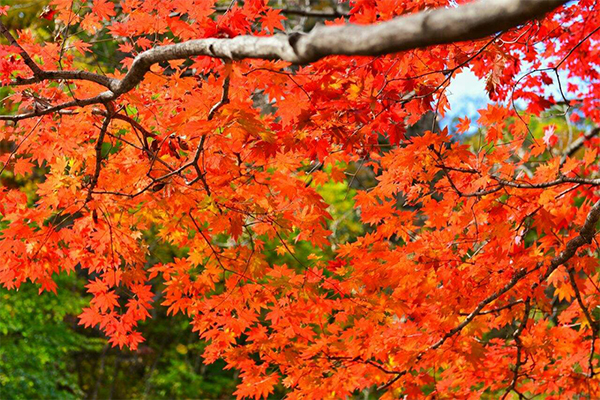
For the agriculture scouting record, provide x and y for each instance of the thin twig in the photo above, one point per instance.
(519, 345)
(594, 325)
(98, 148)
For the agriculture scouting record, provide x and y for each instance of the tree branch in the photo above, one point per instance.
(40, 75)
(98, 149)
(103, 97)
(594, 326)
(66, 75)
(586, 235)
(498, 309)
(503, 183)
(439, 26)
(26, 58)
(544, 185)
(519, 345)
(302, 13)
(200, 175)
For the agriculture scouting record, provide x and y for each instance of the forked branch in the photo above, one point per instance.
(586, 235)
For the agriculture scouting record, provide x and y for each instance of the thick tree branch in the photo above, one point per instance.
(440, 26)
(66, 75)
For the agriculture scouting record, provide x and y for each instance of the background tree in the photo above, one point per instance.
(475, 271)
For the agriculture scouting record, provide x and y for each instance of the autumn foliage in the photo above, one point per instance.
(477, 273)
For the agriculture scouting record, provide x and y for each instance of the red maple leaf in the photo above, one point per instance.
(272, 20)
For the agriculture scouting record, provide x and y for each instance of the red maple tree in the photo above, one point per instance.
(478, 275)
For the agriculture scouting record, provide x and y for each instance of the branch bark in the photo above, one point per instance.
(433, 27)
(336, 13)
(98, 149)
(440, 26)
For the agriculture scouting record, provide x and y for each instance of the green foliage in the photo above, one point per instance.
(345, 224)
(38, 342)
(25, 13)
(44, 354)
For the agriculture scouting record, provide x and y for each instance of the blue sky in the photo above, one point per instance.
(466, 94)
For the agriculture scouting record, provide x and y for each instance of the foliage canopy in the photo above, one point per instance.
(466, 268)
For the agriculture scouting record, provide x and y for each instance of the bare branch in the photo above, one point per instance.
(544, 185)
(40, 75)
(440, 26)
(66, 75)
(103, 97)
(98, 148)
(519, 346)
(519, 185)
(594, 326)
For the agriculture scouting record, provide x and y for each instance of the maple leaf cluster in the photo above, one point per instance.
(478, 271)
